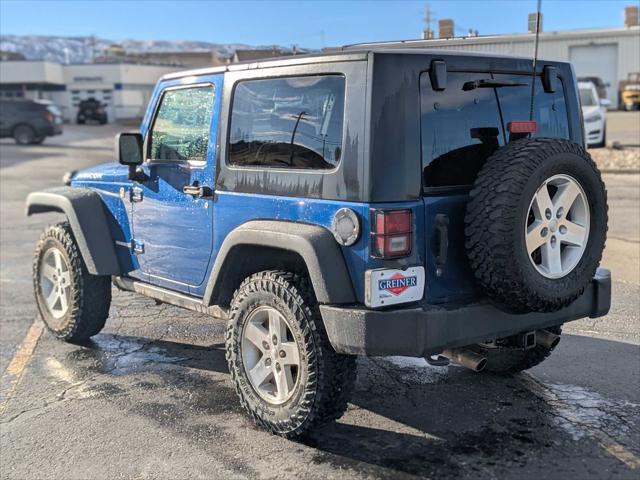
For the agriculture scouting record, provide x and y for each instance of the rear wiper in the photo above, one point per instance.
(491, 83)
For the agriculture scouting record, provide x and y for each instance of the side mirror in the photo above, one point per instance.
(129, 147)
(605, 102)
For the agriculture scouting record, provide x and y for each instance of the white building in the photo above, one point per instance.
(125, 89)
(610, 54)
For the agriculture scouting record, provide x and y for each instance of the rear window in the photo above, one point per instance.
(293, 122)
(549, 109)
(54, 109)
(462, 126)
(460, 129)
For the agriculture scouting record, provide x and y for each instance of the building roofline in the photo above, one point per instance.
(31, 61)
(513, 37)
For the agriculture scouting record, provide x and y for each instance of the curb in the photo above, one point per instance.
(621, 171)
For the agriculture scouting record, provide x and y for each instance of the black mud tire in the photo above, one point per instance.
(24, 135)
(89, 295)
(509, 360)
(496, 217)
(326, 377)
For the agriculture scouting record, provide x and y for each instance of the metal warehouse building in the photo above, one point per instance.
(124, 89)
(610, 54)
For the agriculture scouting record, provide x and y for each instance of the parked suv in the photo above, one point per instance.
(601, 87)
(364, 202)
(91, 110)
(29, 122)
(594, 112)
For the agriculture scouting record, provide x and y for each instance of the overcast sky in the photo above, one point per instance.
(306, 23)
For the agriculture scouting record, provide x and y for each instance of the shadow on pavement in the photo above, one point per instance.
(410, 418)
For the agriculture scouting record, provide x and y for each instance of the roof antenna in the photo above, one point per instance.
(535, 59)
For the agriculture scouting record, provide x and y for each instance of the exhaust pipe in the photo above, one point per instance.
(466, 358)
(547, 339)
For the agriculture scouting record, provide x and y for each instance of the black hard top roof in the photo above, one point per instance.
(339, 54)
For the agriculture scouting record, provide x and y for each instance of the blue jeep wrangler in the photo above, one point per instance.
(369, 201)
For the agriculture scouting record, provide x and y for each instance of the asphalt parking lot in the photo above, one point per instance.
(150, 397)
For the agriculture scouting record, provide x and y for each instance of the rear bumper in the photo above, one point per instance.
(417, 332)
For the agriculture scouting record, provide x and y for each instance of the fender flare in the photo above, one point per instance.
(316, 246)
(87, 216)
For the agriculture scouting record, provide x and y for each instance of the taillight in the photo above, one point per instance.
(49, 117)
(523, 126)
(391, 233)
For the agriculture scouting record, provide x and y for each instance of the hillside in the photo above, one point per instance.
(79, 49)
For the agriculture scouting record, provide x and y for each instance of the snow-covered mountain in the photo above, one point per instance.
(81, 49)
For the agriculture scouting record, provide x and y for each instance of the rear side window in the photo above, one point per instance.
(293, 122)
(460, 128)
(549, 109)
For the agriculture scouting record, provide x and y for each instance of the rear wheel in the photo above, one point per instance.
(287, 375)
(24, 135)
(73, 304)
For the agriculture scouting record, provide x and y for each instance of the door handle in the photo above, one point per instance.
(442, 226)
(197, 191)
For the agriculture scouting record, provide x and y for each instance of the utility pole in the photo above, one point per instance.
(427, 34)
(92, 42)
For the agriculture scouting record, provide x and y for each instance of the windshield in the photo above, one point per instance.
(587, 98)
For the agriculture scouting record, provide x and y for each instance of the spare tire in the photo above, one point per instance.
(536, 224)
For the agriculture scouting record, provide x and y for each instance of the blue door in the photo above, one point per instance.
(173, 204)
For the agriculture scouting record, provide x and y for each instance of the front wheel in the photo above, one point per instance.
(287, 375)
(73, 304)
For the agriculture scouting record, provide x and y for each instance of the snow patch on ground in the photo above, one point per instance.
(417, 370)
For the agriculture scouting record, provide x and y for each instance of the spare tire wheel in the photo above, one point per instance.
(536, 224)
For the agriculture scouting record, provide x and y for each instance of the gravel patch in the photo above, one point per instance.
(611, 159)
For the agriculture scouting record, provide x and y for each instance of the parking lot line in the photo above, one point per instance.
(15, 371)
(612, 447)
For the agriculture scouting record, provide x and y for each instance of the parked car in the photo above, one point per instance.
(630, 92)
(594, 112)
(91, 110)
(363, 202)
(601, 86)
(29, 122)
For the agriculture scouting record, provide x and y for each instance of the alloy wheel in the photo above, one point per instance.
(557, 228)
(270, 355)
(55, 282)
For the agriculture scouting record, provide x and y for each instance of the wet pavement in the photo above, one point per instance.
(150, 397)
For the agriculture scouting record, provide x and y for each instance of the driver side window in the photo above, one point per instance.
(180, 130)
